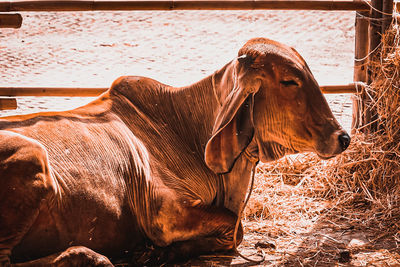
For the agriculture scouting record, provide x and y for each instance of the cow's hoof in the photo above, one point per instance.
(81, 256)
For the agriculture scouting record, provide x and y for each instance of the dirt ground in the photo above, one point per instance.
(177, 48)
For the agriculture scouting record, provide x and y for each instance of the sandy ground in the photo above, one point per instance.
(178, 48)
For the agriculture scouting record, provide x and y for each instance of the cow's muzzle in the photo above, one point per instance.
(344, 141)
(338, 142)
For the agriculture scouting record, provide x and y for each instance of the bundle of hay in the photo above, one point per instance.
(372, 165)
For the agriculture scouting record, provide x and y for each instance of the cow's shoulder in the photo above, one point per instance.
(128, 85)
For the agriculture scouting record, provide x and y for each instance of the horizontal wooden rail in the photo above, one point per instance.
(86, 92)
(8, 103)
(10, 21)
(50, 91)
(93, 5)
(353, 88)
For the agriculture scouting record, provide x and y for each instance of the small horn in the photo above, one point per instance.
(245, 59)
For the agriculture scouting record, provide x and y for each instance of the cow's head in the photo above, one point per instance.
(269, 96)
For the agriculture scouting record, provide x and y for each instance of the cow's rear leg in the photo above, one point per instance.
(25, 185)
(73, 256)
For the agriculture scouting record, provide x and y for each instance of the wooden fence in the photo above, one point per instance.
(49, 5)
(372, 19)
(84, 92)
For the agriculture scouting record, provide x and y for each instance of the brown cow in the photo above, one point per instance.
(146, 163)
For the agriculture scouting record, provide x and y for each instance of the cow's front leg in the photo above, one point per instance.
(25, 186)
(73, 256)
(193, 232)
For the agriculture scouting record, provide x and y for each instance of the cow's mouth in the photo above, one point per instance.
(335, 145)
(325, 157)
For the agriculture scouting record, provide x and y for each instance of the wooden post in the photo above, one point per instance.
(375, 34)
(387, 15)
(364, 113)
(360, 66)
(375, 30)
(8, 103)
(10, 20)
(51, 91)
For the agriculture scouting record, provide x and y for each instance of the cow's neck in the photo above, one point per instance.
(205, 99)
(234, 185)
(197, 106)
(188, 113)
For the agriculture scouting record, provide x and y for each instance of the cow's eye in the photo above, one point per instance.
(289, 83)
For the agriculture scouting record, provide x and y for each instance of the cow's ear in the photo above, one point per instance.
(233, 127)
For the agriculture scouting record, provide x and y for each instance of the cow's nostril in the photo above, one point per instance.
(344, 140)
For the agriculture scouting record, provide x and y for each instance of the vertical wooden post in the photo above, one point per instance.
(364, 114)
(375, 33)
(387, 19)
(381, 17)
(360, 66)
(387, 15)
(375, 30)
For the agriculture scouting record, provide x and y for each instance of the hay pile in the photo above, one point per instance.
(366, 176)
(371, 167)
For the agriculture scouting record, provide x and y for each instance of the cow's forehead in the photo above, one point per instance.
(262, 48)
